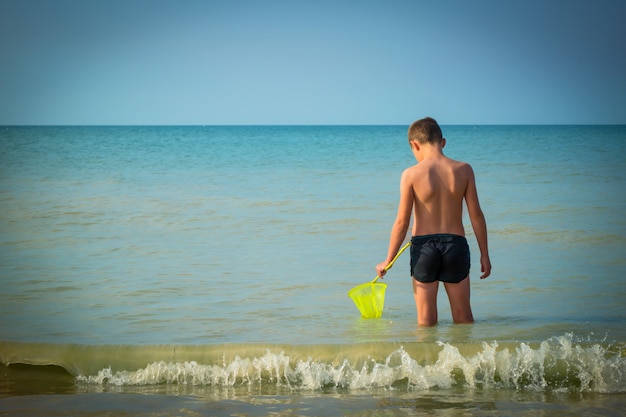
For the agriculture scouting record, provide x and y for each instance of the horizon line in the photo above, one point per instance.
(299, 124)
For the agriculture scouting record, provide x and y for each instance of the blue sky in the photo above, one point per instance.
(312, 62)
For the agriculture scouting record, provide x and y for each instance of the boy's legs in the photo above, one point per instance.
(459, 296)
(425, 294)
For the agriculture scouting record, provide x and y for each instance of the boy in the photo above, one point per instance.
(434, 190)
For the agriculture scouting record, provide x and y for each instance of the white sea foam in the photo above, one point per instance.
(555, 364)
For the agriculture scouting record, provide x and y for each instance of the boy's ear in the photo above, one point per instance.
(414, 145)
(443, 143)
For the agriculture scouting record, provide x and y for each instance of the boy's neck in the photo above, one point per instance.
(428, 151)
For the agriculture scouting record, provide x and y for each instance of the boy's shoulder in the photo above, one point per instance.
(460, 169)
(446, 162)
(460, 166)
(457, 162)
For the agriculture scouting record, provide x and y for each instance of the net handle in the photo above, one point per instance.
(390, 264)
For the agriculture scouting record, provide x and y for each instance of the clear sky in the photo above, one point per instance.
(312, 62)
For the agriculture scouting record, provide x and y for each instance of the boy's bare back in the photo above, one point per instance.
(438, 185)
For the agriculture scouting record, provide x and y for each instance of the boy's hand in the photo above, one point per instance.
(380, 269)
(485, 266)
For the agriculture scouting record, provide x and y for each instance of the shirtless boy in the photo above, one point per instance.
(434, 190)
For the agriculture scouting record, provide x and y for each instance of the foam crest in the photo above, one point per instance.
(269, 367)
(555, 364)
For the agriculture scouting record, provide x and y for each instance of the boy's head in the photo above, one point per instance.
(425, 131)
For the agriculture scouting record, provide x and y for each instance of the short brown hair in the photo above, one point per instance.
(425, 131)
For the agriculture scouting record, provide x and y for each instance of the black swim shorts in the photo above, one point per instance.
(442, 257)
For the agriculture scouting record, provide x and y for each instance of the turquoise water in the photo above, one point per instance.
(122, 245)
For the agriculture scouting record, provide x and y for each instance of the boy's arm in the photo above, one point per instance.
(401, 224)
(479, 224)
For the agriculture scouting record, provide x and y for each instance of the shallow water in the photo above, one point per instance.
(139, 237)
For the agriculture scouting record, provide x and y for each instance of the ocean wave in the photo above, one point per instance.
(557, 364)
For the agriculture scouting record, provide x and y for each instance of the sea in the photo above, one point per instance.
(205, 270)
